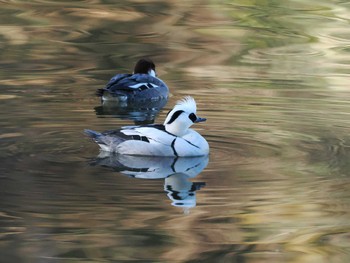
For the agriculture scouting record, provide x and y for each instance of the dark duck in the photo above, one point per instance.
(142, 85)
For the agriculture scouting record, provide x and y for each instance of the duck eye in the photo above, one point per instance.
(192, 117)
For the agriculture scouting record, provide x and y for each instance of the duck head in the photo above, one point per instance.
(145, 66)
(182, 116)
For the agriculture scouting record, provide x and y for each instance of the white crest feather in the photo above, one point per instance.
(187, 104)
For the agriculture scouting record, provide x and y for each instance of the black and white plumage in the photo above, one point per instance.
(172, 138)
(175, 171)
(151, 167)
(142, 85)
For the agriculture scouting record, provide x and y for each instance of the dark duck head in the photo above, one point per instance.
(145, 66)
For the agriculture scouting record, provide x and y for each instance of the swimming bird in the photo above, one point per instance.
(142, 85)
(172, 138)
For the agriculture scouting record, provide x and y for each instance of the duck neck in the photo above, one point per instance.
(176, 130)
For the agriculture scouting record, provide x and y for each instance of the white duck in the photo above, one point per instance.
(173, 138)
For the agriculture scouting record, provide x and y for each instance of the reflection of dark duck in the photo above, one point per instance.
(139, 112)
(176, 172)
(173, 138)
(142, 85)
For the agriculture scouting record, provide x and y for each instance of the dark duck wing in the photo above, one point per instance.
(114, 84)
(135, 87)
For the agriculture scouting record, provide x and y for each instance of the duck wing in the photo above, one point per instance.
(123, 84)
(153, 132)
(135, 140)
(114, 84)
(150, 140)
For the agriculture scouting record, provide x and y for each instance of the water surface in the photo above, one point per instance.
(272, 79)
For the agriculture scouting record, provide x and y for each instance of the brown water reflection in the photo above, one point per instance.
(272, 79)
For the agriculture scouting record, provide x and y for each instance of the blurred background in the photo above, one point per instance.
(272, 79)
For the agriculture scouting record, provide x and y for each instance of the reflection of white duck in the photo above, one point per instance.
(142, 85)
(150, 167)
(173, 138)
(176, 172)
(181, 191)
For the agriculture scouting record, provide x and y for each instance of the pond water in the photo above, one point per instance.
(271, 77)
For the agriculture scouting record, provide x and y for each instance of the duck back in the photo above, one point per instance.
(134, 87)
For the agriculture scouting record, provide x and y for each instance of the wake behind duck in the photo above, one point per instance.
(172, 138)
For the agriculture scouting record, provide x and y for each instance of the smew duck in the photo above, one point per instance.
(142, 85)
(172, 138)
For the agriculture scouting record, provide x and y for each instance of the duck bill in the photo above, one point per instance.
(152, 72)
(199, 119)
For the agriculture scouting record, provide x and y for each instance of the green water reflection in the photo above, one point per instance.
(270, 76)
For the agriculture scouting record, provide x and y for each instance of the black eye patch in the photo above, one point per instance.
(175, 115)
(192, 117)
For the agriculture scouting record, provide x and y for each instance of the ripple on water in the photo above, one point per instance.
(63, 34)
(242, 148)
(234, 141)
(339, 36)
(297, 51)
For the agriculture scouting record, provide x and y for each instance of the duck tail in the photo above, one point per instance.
(105, 142)
(99, 92)
(92, 134)
(197, 186)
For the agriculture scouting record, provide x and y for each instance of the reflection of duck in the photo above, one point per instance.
(139, 112)
(181, 191)
(173, 138)
(141, 86)
(175, 171)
